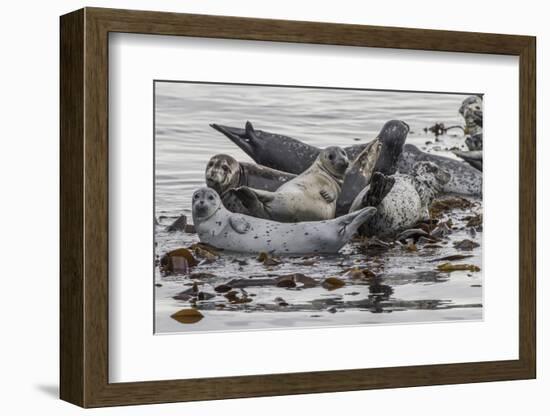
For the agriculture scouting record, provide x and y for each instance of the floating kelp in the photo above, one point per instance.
(449, 267)
(445, 204)
(177, 261)
(332, 283)
(187, 316)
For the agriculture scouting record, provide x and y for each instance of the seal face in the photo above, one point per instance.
(407, 202)
(472, 111)
(221, 228)
(310, 196)
(205, 204)
(222, 173)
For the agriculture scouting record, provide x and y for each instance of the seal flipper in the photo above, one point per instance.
(248, 201)
(351, 222)
(238, 136)
(380, 186)
(239, 224)
(327, 196)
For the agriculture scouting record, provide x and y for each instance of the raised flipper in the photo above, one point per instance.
(327, 196)
(473, 158)
(239, 224)
(238, 136)
(380, 186)
(351, 222)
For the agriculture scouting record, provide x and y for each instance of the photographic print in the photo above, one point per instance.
(281, 207)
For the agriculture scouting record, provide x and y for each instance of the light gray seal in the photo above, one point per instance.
(223, 229)
(465, 180)
(406, 203)
(224, 172)
(310, 196)
(294, 156)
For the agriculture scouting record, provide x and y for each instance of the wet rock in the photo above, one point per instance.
(332, 283)
(187, 316)
(240, 262)
(465, 244)
(178, 225)
(332, 309)
(448, 267)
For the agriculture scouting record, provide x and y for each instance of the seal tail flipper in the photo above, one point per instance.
(380, 186)
(238, 136)
(350, 223)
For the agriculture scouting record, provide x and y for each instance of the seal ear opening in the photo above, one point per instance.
(380, 186)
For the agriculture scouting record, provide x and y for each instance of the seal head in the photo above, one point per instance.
(222, 173)
(205, 203)
(334, 161)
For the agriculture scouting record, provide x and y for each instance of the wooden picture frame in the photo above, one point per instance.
(84, 207)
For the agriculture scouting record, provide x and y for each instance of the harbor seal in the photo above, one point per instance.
(465, 180)
(472, 112)
(294, 156)
(380, 155)
(223, 229)
(224, 172)
(407, 201)
(310, 196)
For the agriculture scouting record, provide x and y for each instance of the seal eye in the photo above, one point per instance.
(331, 156)
(211, 164)
(196, 196)
(211, 197)
(225, 168)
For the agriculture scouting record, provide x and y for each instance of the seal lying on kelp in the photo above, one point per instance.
(406, 203)
(221, 228)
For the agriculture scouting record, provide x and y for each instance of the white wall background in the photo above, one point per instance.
(29, 206)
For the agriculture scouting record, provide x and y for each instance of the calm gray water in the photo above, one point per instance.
(184, 143)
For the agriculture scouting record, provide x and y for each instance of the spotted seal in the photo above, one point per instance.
(310, 196)
(465, 180)
(406, 203)
(221, 228)
(224, 172)
(294, 156)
